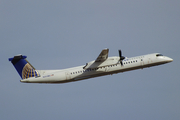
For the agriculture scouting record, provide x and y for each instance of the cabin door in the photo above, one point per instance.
(68, 76)
(150, 61)
(107, 68)
(141, 62)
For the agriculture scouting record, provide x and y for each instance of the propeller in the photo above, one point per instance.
(121, 58)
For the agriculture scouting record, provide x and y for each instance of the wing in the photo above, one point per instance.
(103, 55)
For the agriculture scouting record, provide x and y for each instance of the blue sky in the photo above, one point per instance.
(59, 34)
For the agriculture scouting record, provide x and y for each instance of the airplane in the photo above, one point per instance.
(103, 65)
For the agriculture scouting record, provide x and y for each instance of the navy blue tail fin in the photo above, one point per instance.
(23, 67)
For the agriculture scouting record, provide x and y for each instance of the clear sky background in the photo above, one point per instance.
(57, 34)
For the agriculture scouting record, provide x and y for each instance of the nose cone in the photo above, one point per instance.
(169, 59)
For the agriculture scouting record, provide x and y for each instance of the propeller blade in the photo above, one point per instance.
(121, 57)
(121, 63)
(120, 53)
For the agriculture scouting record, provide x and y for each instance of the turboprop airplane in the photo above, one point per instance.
(103, 65)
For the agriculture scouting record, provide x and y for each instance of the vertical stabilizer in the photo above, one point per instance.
(23, 67)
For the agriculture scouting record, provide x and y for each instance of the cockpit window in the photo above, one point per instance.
(159, 55)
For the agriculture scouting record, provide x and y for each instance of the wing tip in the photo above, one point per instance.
(106, 49)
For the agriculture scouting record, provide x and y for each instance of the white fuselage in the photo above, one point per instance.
(94, 69)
